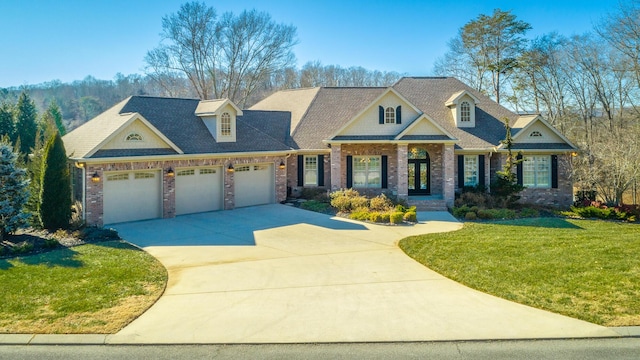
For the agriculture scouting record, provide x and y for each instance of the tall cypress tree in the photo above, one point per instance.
(25, 120)
(55, 195)
(56, 115)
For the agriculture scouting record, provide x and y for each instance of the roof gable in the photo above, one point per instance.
(533, 129)
(129, 120)
(366, 122)
(136, 135)
(215, 107)
(424, 127)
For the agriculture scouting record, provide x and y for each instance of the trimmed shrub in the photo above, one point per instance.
(396, 218)
(346, 200)
(529, 212)
(361, 214)
(380, 203)
(470, 216)
(410, 216)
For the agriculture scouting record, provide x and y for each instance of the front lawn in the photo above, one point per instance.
(586, 269)
(91, 288)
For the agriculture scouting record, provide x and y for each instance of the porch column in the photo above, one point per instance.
(448, 183)
(403, 160)
(336, 167)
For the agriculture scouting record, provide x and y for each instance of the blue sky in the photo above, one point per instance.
(44, 40)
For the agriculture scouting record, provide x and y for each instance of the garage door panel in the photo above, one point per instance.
(198, 190)
(132, 196)
(254, 185)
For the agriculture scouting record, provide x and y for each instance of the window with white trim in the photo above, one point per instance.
(536, 171)
(225, 124)
(465, 111)
(470, 170)
(310, 170)
(390, 116)
(367, 172)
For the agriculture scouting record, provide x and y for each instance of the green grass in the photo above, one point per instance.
(93, 288)
(586, 269)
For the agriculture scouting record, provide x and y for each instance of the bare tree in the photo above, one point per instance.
(229, 57)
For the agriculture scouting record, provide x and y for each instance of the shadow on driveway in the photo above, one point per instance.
(224, 228)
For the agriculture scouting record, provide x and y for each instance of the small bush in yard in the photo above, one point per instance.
(22, 248)
(529, 212)
(360, 214)
(396, 218)
(470, 216)
(410, 216)
(51, 243)
(380, 203)
(348, 199)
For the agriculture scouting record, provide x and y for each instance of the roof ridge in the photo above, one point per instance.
(306, 111)
(166, 97)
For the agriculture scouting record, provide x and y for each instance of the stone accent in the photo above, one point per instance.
(336, 167)
(93, 204)
(403, 173)
(94, 207)
(448, 183)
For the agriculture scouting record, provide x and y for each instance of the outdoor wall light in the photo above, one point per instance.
(282, 165)
(95, 177)
(574, 154)
(170, 172)
(79, 165)
(230, 168)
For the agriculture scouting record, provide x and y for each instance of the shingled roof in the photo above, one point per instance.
(332, 107)
(176, 120)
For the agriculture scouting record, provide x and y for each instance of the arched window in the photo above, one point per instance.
(225, 124)
(535, 134)
(390, 116)
(134, 137)
(465, 111)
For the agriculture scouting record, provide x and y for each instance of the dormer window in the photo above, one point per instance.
(134, 137)
(465, 112)
(535, 134)
(225, 124)
(389, 116)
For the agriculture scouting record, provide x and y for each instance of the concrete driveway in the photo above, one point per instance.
(276, 274)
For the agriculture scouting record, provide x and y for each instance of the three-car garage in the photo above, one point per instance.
(138, 195)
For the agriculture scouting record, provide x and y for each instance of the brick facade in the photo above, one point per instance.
(94, 190)
(561, 197)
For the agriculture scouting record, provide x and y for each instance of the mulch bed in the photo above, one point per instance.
(29, 241)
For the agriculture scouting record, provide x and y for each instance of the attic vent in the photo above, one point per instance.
(535, 134)
(134, 137)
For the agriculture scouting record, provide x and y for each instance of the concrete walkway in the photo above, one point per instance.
(276, 274)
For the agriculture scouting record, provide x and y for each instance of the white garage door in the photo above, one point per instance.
(198, 190)
(254, 184)
(130, 196)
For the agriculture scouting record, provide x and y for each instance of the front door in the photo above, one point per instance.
(419, 179)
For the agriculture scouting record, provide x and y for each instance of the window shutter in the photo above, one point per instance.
(399, 115)
(519, 169)
(481, 181)
(460, 171)
(385, 182)
(320, 170)
(554, 171)
(381, 112)
(349, 171)
(300, 170)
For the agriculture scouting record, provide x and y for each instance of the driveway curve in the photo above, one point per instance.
(277, 274)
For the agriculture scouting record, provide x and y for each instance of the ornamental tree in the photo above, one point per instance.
(13, 191)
